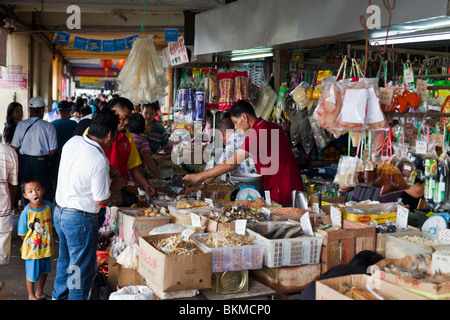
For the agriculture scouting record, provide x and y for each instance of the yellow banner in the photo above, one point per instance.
(89, 79)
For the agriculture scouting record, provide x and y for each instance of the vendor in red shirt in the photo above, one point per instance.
(272, 154)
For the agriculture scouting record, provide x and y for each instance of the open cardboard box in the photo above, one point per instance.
(142, 225)
(328, 289)
(173, 272)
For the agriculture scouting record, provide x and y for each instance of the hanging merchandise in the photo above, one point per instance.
(200, 103)
(321, 136)
(143, 78)
(388, 176)
(354, 106)
(212, 88)
(439, 195)
(279, 108)
(240, 85)
(266, 100)
(346, 175)
(329, 105)
(226, 85)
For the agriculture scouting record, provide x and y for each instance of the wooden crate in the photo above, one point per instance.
(340, 246)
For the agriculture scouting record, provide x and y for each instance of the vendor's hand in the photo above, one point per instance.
(132, 189)
(191, 179)
(193, 188)
(151, 192)
(117, 183)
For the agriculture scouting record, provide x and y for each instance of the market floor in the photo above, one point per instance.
(13, 274)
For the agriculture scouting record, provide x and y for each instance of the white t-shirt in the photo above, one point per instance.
(9, 167)
(83, 176)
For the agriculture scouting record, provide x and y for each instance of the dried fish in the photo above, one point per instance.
(284, 231)
(175, 245)
(227, 238)
(235, 212)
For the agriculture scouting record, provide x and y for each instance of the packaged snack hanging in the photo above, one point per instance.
(267, 98)
(226, 85)
(346, 174)
(440, 189)
(375, 118)
(388, 176)
(330, 104)
(279, 108)
(212, 89)
(354, 106)
(241, 85)
(143, 78)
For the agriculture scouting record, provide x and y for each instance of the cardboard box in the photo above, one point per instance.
(378, 212)
(328, 289)
(425, 289)
(142, 225)
(173, 272)
(119, 277)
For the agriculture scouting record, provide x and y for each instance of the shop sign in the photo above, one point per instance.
(170, 35)
(89, 79)
(178, 52)
(11, 80)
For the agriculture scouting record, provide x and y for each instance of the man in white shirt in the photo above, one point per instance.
(9, 167)
(84, 184)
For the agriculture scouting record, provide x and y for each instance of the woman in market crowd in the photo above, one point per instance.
(358, 265)
(154, 132)
(270, 149)
(136, 126)
(84, 184)
(14, 115)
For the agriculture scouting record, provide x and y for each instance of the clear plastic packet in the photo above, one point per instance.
(299, 94)
(329, 105)
(389, 178)
(366, 169)
(266, 100)
(375, 118)
(354, 107)
(346, 174)
(321, 136)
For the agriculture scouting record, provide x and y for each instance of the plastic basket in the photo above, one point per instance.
(233, 258)
(288, 252)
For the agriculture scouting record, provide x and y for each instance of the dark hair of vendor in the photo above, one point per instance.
(241, 107)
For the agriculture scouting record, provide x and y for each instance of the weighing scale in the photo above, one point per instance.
(246, 192)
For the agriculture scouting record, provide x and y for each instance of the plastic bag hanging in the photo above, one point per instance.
(143, 78)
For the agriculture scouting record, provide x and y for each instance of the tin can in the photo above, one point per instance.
(200, 106)
(230, 282)
(182, 99)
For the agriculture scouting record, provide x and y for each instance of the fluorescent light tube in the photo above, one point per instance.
(251, 56)
(426, 38)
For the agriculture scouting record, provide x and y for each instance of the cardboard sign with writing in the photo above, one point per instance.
(386, 95)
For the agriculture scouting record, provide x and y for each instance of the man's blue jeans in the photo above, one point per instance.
(78, 240)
